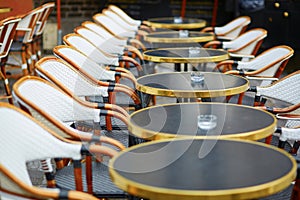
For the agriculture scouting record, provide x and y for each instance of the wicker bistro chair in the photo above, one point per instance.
(244, 46)
(21, 51)
(95, 53)
(124, 15)
(143, 25)
(72, 81)
(52, 106)
(24, 139)
(105, 45)
(8, 29)
(90, 68)
(39, 29)
(230, 30)
(261, 70)
(140, 29)
(281, 98)
(113, 27)
(113, 38)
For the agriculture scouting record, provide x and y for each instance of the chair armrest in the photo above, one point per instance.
(138, 44)
(225, 38)
(225, 66)
(262, 78)
(235, 55)
(288, 116)
(212, 44)
(284, 110)
(207, 29)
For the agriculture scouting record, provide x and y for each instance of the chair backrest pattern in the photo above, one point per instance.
(286, 89)
(50, 99)
(99, 41)
(124, 15)
(104, 33)
(28, 136)
(112, 26)
(119, 20)
(234, 28)
(89, 49)
(7, 34)
(270, 60)
(247, 42)
(63, 74)
(82, 62)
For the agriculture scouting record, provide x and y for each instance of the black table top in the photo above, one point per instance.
(180, 120)
(181, 55)
(176, 23)
(175, 37)
(202, 169)
(179, 84)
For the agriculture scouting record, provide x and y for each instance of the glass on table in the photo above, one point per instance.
(197, 76)
(183, 33)
(194, 51)
(207, 122)
(177, 20)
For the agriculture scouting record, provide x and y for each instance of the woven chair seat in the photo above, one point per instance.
(102, 184)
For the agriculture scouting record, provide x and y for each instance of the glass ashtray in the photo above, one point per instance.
(183, 33)
(197, 77)
(177, 20)
(194, 51)
(207, 122)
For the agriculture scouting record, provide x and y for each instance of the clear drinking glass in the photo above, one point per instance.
(177, 20)
(183, 33)
(207, 122)
(194, 51)
(197, 76)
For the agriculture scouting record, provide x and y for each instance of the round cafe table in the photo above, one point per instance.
(174, 37)
(179, 85)
(176, 23)
(181, 55)
(180, 120)
(202, 169)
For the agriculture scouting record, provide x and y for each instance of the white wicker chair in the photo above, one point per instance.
(119, 20)
(113, 26)
(105, 45)
(244, 46)
(282, 98)
(266, 67)
(95, 53)
(23, 139)
(22, 45)
(230, 30)
(112, 38)
(39, 29)
(62, 73)
(90, 68)
(124, 15)
(75, 83)
(7, 32)
(99, 41)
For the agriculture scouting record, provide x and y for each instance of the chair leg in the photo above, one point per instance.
(240, 99)
(6, 83)
(295, 148)
(25, 61)
(268, 139)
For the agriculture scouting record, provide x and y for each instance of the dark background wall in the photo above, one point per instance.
(281, 18)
